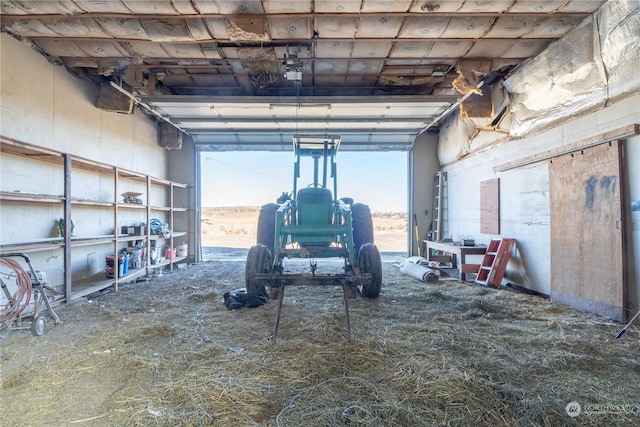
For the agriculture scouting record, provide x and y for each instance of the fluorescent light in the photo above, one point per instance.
(438, 72)
(295, 76)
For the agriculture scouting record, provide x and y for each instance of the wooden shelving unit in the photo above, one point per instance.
(113, 212)
(494, 262)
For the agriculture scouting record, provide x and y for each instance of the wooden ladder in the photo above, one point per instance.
(438, 194)
(494, 262)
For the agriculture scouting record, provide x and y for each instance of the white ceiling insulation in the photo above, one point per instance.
(376, 72)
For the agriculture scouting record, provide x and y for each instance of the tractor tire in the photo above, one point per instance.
(258, 261)
(362, 225)
(267, 225)
(369, 261)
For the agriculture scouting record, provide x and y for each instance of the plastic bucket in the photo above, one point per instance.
(182, 250)
(111, 268)
(170, 253)
(135, 260)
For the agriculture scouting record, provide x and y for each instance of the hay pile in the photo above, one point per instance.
(169, 353)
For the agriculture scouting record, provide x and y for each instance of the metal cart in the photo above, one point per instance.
(11, 315)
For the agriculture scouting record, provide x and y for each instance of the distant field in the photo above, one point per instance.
(235, 227)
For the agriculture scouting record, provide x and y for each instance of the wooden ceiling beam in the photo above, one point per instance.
(89, 15)
(290, 42)
(199, 62)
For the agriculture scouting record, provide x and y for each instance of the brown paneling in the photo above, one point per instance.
(490, 206)
(586, 230)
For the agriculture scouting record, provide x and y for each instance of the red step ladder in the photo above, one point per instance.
(494, 262)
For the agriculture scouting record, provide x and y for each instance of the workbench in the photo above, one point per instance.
(457, 251)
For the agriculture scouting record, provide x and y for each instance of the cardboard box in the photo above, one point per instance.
(133, 230)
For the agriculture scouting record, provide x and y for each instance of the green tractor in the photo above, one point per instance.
(314, 224)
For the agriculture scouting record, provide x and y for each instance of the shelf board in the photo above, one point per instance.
(33, 246)
(87, 202)
(30, 197)
(90, 165)
(173, 234)
(98, 282)
(131, 206)
(48, 198)
(52, 243)
(160, 181)
(90, 241)
(167, 262)
(160, 208)
(17, 148)
(124, 238)
(89, 285)
(35, 152)
(127, 174)
(166, 182)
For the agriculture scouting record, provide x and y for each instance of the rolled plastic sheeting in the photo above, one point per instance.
(415, 260)
(420, 272)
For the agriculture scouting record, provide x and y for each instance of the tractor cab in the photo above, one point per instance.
(315, 202)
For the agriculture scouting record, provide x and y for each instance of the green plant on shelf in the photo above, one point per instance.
(60, 224)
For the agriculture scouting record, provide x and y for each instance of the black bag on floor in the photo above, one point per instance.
(240, 298)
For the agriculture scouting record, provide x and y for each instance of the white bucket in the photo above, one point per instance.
(183, 249)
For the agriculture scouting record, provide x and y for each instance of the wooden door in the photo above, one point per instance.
(587, 269)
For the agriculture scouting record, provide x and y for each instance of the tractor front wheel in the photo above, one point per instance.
(369, 261)
(258, 261)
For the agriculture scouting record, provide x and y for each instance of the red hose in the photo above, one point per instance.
(21, 297)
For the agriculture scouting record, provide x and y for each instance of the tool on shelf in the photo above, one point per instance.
(132, 197)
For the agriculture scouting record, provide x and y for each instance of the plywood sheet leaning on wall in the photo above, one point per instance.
(587, 270)
(490, 206)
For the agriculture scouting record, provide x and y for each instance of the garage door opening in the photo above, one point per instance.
(235, 184)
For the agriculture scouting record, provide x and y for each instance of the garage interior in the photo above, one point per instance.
(523, 114)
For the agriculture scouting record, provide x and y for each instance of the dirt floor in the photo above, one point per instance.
(167, 352)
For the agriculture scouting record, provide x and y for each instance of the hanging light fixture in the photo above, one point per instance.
(439, 71)
(293, 67)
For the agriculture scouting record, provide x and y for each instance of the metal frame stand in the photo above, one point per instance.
(348, 292)
(39, 291)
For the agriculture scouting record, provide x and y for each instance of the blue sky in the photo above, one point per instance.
(244, 178)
